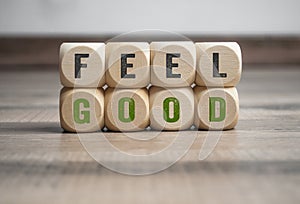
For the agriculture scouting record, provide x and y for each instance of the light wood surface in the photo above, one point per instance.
(132, 114)
(82, 64)
(208, 114)
(173, 63)
(81, 109)
(135, 64)
(257, 162)
(175, 114)
(219, 64)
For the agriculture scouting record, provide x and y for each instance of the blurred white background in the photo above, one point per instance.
(93, 17)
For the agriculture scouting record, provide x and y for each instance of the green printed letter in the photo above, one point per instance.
(81, 116)
(212, 109)
(131, 111)
(176, 110)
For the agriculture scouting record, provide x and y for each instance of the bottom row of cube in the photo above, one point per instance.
(89, 110)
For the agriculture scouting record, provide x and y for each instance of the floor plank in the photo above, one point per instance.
(258, 162)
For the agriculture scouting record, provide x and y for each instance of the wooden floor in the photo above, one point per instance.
(258, 162)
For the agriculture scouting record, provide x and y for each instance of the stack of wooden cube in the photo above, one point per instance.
(167, 85)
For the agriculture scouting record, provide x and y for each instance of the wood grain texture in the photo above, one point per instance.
(173, 64)
(219, 64)
(175, 114)
(208, 113)
(81, 110)
(257, 162)
(82, 64)
(136, 62)
(134, 116)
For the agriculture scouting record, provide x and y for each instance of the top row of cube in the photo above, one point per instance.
(138, 64)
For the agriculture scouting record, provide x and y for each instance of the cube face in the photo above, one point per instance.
(126, 109)
(173, 64)
(81, 110)
(127, 64)
(171, 109)
(219, 64)
(82, 64)
(216, 108)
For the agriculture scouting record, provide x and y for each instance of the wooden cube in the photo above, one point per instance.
(82, 64)
(81, 110)
(126, 109)
(216, 108)
(171, 109)
(219, 64)
(173, 63)
(127, 64)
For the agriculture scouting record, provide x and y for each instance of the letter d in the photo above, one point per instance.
(212, 109)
